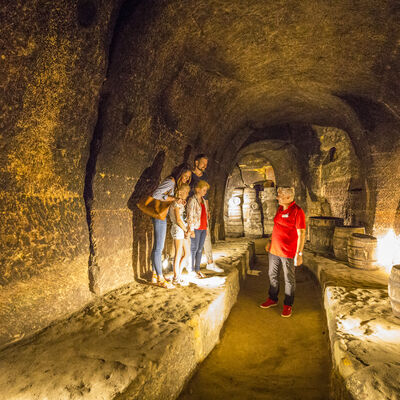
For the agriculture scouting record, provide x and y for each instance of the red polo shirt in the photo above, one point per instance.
(284, 234)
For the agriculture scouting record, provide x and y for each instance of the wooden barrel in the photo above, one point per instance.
(251, 214)
(361, 251)
(269, 207)
(234, 225)
(340, 238)
(394, 290)
(321, 233)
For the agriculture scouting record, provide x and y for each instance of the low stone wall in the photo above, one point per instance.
(364, 334)
(139, 341)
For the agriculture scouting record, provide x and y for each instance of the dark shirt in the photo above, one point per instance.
(194, 180)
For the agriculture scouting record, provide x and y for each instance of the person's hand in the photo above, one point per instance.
(268, 246)
(298, 260)
(187, 234)
(181, 201)
(192, 235)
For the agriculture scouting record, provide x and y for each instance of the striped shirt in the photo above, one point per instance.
(164, 189)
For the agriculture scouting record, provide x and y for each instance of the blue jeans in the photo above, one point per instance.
(196, 247)
(160, 231)
(290, 280)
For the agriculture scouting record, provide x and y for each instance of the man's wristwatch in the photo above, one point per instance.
(299, 253)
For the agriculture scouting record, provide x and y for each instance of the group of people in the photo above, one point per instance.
(186, 189)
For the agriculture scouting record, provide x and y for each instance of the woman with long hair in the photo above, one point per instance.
(166, 192)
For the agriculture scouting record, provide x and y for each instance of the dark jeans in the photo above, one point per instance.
(196, 247)
(160, 230)
(289, 273)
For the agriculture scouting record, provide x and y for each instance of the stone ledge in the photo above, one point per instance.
(364, 334)
(139, 341)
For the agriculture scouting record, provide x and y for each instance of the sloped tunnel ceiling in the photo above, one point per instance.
(182, 77)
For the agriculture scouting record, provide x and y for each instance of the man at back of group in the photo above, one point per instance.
(285, 248)
(198, 173)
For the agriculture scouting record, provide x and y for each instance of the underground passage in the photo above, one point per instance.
(200, 199)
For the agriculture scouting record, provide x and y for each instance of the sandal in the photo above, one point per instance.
(165, 284)
(154, 278)
(178, 280)
(175, 281)
(200, 275)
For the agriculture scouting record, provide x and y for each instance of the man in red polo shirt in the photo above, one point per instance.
(285, 249)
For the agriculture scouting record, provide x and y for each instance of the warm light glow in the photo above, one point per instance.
(387, 334)
(211, 282)
(217, 254)
(388, 250)
(376, 332)
(352, 326)
(165, 263)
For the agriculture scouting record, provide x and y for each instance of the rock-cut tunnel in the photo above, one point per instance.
(101, 99)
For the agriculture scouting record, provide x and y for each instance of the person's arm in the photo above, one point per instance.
(268, 245)
(165, 187)
(301, 238)
(208, 208)
(190, 212)
(179, 219)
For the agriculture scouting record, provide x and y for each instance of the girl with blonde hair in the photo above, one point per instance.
(198, 215)
(180, 231)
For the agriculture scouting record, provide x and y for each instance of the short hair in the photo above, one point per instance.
(202, 184)
(286, 190)
(200, 156)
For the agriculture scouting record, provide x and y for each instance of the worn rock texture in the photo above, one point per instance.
(363, 331)
(101, 99)
(136, 342)
(53, 61)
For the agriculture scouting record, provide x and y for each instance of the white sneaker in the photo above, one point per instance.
(214, 268)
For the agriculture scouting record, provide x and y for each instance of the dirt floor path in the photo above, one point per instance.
(264, 356)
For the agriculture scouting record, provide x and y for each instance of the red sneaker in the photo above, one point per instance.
(287, 311)
(269, 303)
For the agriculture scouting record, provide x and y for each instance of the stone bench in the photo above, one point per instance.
(139, 341)
(363, 332)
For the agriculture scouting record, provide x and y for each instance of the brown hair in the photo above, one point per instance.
(178, 171)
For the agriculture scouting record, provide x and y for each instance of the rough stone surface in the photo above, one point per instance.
(135, 342)
(52, 70)
(363, 331)
(97, 97)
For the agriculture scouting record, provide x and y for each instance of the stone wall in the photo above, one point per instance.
(335, 178)
(101, 99)
(53, 64)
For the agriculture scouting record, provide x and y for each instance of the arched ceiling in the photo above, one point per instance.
(222, 68)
